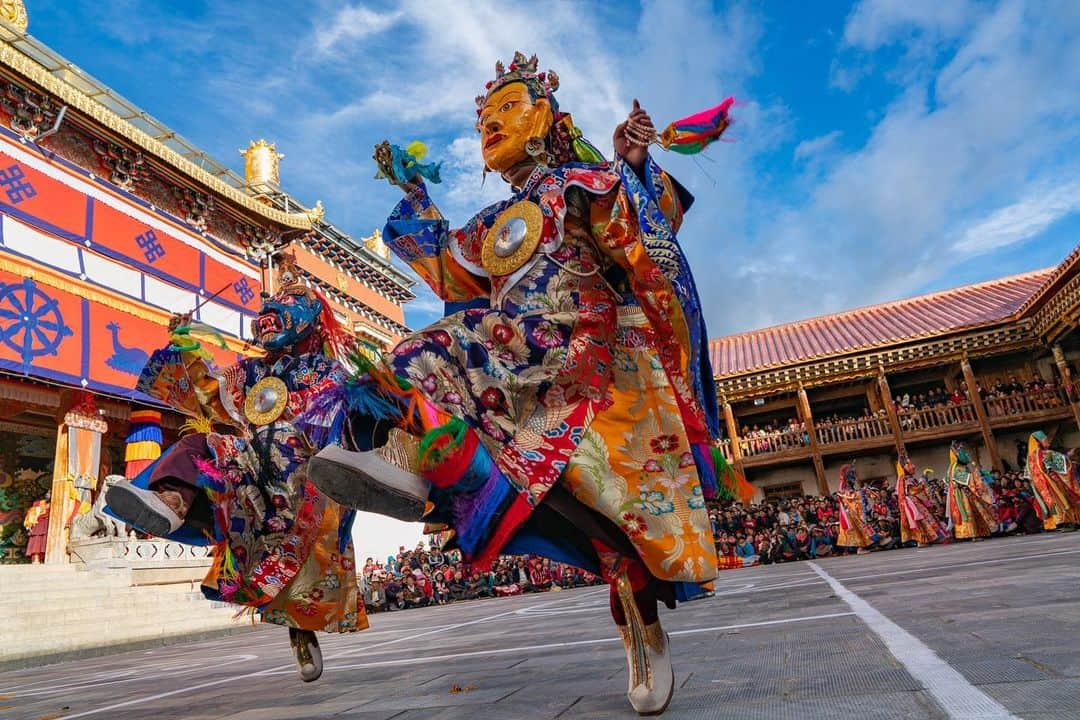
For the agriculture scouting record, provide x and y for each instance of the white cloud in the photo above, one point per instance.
(1021, 221)
(350, 24)
(874, 23)
(808, 149)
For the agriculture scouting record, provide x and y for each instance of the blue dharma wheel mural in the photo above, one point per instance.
(30, 321)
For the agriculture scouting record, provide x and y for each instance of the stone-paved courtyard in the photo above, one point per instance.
(775, 642)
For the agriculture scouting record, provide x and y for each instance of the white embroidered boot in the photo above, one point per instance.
(648, 656)
(305, 645)
(379, 481)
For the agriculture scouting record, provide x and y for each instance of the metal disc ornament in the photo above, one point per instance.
(513, 238)
(266, 401)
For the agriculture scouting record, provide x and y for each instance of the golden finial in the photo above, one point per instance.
(13, 13)
(261, 165)
(317, 213)
(375, 244)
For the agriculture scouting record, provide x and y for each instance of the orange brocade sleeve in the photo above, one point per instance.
(185, 381)
(418, 234)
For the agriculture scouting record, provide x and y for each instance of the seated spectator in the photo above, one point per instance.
(746, 551)
(801, 543)
(821, 545)
(411, 594)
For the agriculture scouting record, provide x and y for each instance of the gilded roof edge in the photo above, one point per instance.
(25, 66)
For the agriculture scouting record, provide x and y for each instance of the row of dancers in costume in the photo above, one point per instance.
(970, 508)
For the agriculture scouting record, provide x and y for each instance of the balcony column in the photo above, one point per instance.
(1066, 379)
(807, 419)
(733, 434)
(890, 408)
(980, 413)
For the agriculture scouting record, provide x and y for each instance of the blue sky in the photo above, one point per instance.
(883, 148)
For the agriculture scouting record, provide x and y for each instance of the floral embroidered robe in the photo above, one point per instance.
(917, 520)
(1057, 499)
(588, 364)
(854, 530)
(970, 504)
(280, 546)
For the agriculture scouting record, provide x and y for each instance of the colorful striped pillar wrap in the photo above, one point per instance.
(143, 442)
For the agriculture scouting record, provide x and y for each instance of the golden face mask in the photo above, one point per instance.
(508, 119)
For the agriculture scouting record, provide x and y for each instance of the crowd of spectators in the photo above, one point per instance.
(804, 528)
(921, 410)
(423, 577)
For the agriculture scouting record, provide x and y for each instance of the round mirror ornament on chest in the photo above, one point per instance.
(266, 401)
(513, 238)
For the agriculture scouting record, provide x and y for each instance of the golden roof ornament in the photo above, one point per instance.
(375, 244)
(261, 165)
(316, 214)
(13, 13)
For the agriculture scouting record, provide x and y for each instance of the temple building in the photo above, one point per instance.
(110, 223)
(801, 399)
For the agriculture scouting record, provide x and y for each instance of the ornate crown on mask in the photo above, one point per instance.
(289, 279)
(522, 69)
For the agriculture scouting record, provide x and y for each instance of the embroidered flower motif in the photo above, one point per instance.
(634, 525)
(654, 503)
(686, 460)
(492, 398)
(663, 444)
(491, 428)
(651, 466)
(429, 383)
(548, 335)
(442, 337)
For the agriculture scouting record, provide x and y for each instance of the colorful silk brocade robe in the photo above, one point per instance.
(588, 363)
(970, 504)
(854, 531)
(1057, 499)
(917, 520)
(280, 546)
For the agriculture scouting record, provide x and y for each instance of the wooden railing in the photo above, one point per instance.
(1026, 403)
(854, 429)
(725, 448)
(922, 422)
(774, 442)
(933, 418)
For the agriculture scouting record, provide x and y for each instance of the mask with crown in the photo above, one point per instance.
(296, 317)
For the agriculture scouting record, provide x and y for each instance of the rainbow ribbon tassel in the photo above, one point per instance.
(693, 134)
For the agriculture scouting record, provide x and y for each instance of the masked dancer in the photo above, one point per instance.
(970, 502)
(573, 414)
(239, 480)
(854, 529)
(1057, 498)
(918, 523)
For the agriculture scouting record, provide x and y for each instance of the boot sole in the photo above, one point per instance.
(128, 504)
(334, 472)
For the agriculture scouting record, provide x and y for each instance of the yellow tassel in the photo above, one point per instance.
(197, 426)
(417, 149)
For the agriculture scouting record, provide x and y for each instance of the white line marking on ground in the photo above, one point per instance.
(571, 643)
(968, 563)
(958, 698)
(268, 671)
(752, 588)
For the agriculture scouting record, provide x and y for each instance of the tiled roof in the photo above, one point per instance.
(925, 316)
